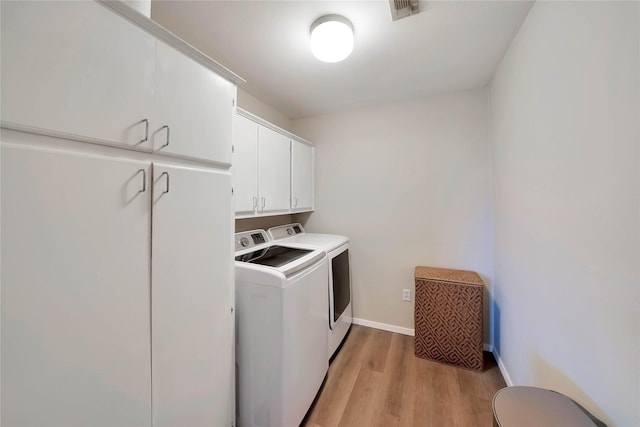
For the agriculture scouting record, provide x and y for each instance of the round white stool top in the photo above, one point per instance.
(536, 407)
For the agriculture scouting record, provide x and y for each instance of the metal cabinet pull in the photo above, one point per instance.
(255, 203)
(167, 188)
(264, 202)
(144, 180)
(295, 202)
(166, 144)
(146, 131)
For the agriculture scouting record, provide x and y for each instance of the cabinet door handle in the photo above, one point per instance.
(167, 188)
(264, 202)
(146, 131)
(255, 203)
(295, 202)
(144, 180)
(166, 144)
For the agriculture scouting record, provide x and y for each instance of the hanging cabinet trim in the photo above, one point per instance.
(273, 127)
(169, 38)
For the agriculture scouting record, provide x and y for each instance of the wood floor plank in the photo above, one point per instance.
(341, 378)
(471, 382)
(481, 412)
(395, 374)
(421, 392)
(493, 380)
(408, 401)
(385, 420)
(445, 407)
(361, 405)
(378, 349)
(376, 380)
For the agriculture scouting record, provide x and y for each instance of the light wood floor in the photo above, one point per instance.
(377, 381)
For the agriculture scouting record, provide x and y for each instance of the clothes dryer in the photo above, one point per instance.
(340, 316)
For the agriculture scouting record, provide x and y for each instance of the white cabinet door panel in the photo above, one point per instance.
(274, 172)
(75, 289)
(196, 104)
(76, 69)
(245, 165)
(301, 176)
(192, 297)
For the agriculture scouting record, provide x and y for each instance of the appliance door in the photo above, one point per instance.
(282, 337)
(305, 342)
(339, 283)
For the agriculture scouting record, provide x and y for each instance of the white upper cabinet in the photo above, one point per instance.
(133, 91)
(73, 89)
(178, 128)
(245, 165)
(301, 176)
(274, 175)
(272, 169)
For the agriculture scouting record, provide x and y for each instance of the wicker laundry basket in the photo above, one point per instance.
(448, 316)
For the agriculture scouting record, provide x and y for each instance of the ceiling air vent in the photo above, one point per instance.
(403, 8)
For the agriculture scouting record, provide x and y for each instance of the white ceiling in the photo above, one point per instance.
(450, 45)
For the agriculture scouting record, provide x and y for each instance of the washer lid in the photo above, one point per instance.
(273, 256)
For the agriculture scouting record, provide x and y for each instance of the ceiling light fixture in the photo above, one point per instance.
(331, 38)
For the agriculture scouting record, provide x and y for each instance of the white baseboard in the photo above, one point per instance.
(399, 329)
(503, 369)
(384, 326)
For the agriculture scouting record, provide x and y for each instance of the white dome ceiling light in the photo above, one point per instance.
(331, 38)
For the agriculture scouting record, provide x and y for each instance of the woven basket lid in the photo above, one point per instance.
(448, 275)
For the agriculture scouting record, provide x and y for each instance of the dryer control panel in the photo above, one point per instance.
(284, 231)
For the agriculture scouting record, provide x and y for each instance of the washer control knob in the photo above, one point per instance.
(244, 242)
(289, 231)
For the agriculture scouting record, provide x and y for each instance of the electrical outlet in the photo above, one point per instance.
(406, 294)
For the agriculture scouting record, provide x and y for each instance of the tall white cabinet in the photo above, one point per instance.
(272, 169)
(192, 337)
(75, 289)
(117, 253)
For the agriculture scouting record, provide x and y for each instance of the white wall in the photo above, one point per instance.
(409, 184)
(142, 6)
(264, 222)
(565, 113)
(250, 103)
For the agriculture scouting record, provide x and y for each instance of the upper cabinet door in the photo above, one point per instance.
(77, 70)
(192, 294)
(245, 165)
(274, 175)
(301, 176)
(194, 107)
(75, 289)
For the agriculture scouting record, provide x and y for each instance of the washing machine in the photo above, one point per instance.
(281, 334)
(338, 278)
